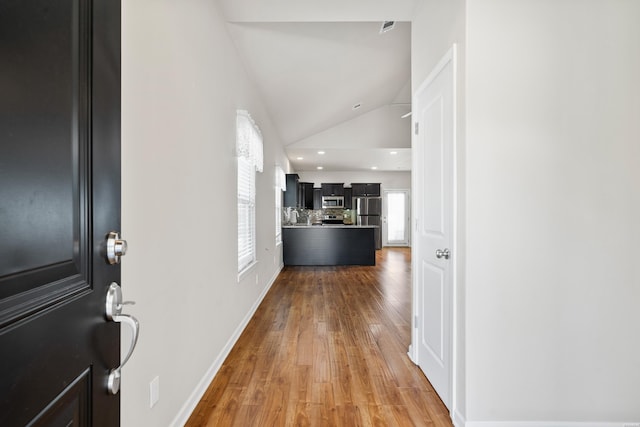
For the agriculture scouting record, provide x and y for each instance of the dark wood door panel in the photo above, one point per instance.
(70, 408)
(59, 197)
(44, 161)
(41, 358)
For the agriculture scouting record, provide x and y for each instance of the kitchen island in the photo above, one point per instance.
(328, 244)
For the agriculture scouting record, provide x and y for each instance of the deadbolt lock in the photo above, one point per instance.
(116, 247)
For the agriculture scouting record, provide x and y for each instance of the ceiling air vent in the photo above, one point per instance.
(387, 26)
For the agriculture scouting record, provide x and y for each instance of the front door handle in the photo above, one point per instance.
(442, 253)
(113, 311)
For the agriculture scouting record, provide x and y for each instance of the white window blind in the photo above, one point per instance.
(249, 152)
(281, 185)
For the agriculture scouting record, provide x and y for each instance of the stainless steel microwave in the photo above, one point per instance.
(335, 202)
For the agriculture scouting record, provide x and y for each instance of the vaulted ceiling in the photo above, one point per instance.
(331, 81)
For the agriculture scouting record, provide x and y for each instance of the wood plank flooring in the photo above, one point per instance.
(327, 347)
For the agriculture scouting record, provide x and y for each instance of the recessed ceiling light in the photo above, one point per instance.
(392, 153)
(299, 158)
(374, 167)
(404, 116)
(320, 152)
(319, 168)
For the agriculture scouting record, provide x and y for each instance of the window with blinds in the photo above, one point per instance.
(249, 152)
(281, 185)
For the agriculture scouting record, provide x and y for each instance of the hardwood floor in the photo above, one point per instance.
(327, 347)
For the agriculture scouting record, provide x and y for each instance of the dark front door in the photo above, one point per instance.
(59, 198)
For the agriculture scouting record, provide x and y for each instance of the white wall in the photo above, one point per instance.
(553, 150)
(387, 180)
(383, 127)
(437, 25)
(325, 11)
(181, 84)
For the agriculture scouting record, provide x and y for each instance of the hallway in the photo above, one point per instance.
(327, 347)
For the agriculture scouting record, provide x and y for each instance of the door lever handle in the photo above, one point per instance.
(120, 306)
(113, 383)
(113, 312)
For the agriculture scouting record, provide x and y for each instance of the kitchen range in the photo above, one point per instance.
(333, 216)
(331, 225)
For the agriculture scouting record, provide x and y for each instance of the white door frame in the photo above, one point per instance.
(450, 56)
(385, 219)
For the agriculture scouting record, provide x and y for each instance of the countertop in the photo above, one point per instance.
(330, 226)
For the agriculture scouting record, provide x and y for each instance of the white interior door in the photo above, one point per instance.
(432, 242)
(396, 219)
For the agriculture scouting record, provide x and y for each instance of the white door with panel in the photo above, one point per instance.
(433, 151)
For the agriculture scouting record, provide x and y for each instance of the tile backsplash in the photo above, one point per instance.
(292, 216)
(311, 216)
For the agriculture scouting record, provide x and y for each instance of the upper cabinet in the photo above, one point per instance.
(291, 195)
(368, 190)
(298, 194)
(333, 189)
(348, 193)
(317, 198)
(305, 195)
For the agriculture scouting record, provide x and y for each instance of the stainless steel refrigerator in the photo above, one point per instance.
(368, 211)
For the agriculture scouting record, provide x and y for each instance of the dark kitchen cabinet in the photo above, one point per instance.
(317, 198)
(291, 194)
(358, 190)
(328, 246)
(367, 189)
(298, 194)
(305, 195)
(332, 189)
(347, 197)
(373, 190)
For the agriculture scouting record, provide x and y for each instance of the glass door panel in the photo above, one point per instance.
(397, 217)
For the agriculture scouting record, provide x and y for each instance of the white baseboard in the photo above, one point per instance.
(457, 419)
(547, 424)
(195, 397)
(411, 354)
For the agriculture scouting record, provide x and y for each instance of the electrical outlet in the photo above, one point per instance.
(256, 279)
(154, 391)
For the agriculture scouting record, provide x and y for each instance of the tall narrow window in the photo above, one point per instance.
(249, 151)
(281, 185)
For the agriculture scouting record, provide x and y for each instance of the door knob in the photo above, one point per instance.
(442, 253)
(116, 247)
(113, 312)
